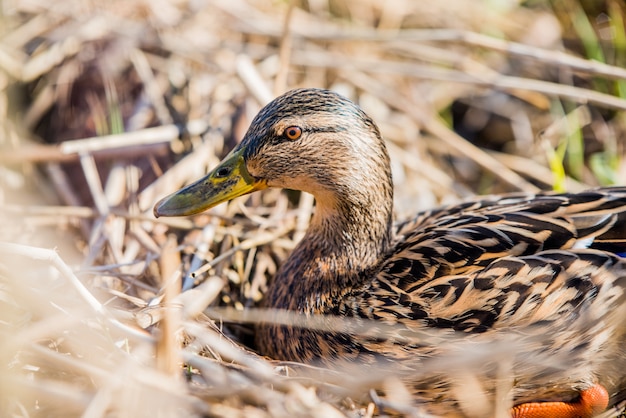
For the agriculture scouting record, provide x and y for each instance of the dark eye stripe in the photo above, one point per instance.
(328, 129)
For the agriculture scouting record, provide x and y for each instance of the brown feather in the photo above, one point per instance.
(532, 284)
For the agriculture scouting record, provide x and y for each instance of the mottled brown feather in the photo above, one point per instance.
(544, 273)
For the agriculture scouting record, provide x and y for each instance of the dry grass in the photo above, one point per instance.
(106, 106)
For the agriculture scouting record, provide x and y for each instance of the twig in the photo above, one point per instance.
(487, 79)
(51, 256)
(253, 80)
(66, 193)
(280, 83)
(60, 211)
(151, 86)
(259, 239)
(145, 136)
(44, 153)
(95, 184)
(167, 348)
(545, 56)
(53, 56)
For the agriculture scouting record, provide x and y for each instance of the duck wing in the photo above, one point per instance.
(469, 236)
(545, 275)
(554, 319)
(546, 269)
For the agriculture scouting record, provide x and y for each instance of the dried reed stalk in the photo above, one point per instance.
(120, 103)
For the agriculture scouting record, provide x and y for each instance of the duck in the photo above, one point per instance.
(545, 272)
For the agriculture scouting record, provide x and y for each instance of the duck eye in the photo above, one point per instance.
(293, 132)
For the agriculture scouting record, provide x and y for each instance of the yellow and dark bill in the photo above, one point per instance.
(227, 181)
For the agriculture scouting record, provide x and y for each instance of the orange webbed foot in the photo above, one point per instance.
(592, 401)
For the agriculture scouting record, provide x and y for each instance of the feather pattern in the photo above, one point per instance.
(543, 274)
(505, 265)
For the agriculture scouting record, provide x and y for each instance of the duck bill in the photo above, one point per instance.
(227, 181)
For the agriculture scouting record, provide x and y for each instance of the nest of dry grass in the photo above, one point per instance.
(107, 106)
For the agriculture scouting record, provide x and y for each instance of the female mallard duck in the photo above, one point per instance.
(547, 269)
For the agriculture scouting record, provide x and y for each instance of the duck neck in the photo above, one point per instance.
(345, 241)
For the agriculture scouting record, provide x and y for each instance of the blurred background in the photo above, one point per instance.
(107, 106)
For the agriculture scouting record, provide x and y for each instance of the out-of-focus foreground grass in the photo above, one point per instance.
(105, 106)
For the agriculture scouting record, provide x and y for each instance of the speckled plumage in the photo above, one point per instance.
(546, 270)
